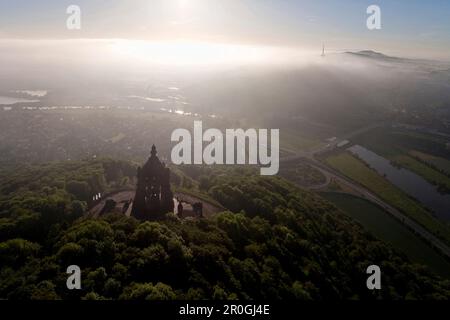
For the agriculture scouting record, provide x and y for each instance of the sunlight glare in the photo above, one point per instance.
(190, 53)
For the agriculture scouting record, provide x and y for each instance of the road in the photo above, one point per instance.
(122, 197)
(310, 158)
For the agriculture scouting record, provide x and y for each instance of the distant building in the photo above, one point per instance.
(153, 198)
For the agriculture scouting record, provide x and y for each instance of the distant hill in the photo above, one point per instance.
(370, 54)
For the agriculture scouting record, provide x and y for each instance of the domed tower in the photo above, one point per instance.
(153, 198)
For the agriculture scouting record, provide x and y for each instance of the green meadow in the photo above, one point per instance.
(385, 227)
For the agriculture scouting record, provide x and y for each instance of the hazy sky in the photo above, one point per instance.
(409, 27)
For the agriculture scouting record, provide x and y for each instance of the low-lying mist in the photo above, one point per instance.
(341, 88)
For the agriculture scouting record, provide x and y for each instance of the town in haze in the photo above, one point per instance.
(250, 150)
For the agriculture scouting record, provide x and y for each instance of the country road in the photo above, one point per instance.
(309, 158)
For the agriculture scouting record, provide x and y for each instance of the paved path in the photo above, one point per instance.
(122, 197)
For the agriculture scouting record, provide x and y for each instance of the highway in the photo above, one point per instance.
(309, 157)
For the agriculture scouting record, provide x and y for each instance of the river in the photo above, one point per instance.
(411, 183)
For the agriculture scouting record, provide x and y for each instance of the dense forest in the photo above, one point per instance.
(275, 241)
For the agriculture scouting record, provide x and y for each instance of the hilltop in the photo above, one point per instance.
(273, 241)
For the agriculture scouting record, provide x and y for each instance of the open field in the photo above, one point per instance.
(385, 227)
(423, 154)
(438, 162)
(361, 173)
(293, 142)
(395, 141)
(430, 174)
